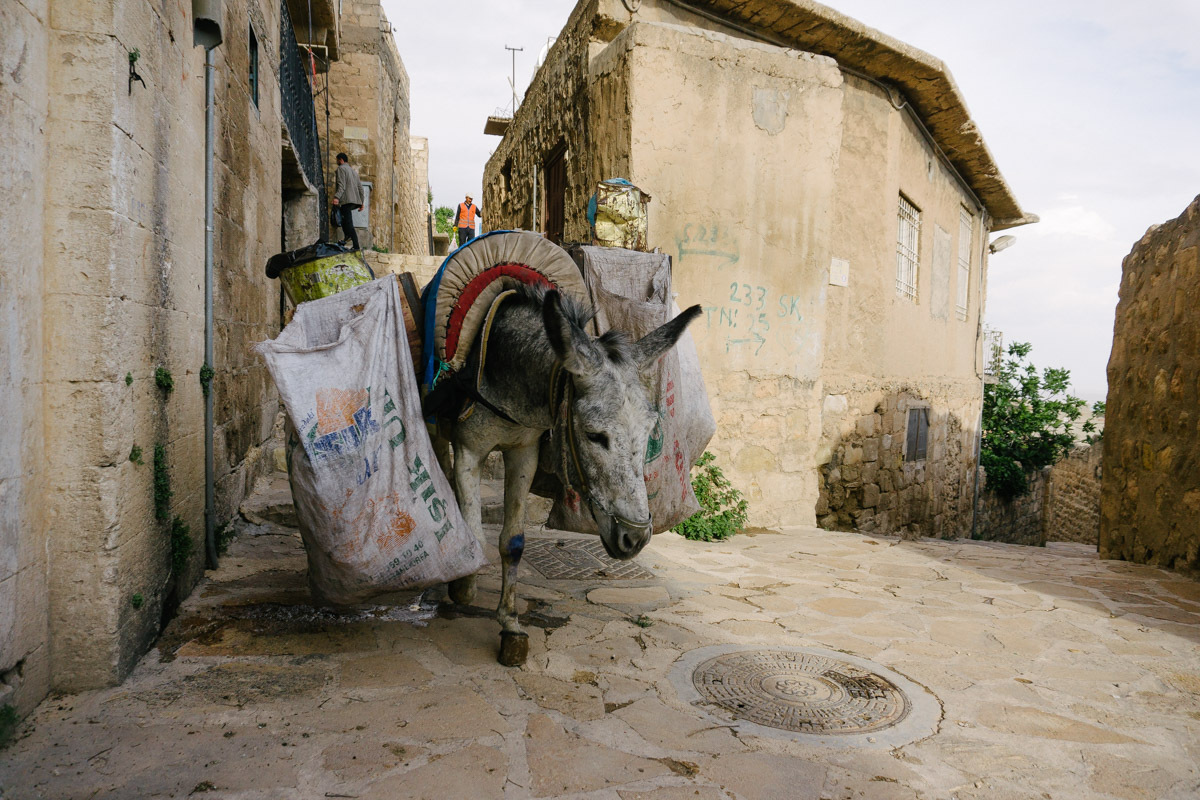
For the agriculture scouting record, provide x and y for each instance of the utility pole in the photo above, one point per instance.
(513, 81)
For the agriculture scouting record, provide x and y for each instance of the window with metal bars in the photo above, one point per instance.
(917, 435)
(253, 67)
(966, 227)
(908, 238)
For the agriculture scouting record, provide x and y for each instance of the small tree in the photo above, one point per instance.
(1028, 421)
(443, 222)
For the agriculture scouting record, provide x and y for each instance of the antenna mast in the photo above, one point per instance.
(513, 81)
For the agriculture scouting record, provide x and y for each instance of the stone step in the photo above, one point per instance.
(423, 268)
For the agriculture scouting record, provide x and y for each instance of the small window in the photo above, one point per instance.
(918, 434)
(908, 238)
(966, 227)
(555, 171)
(253, 67)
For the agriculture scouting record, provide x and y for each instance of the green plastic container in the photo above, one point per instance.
(319, 270)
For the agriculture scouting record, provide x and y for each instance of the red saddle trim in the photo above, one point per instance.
(466, 298)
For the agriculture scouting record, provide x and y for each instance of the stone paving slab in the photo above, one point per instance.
(1058, 675)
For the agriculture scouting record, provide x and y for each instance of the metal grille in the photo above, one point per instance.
(299, 114)
(579, 560)
(966, 226)
(908, 236)
(993, 352)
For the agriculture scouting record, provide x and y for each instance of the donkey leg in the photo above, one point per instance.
(467, 471)
(519, 466)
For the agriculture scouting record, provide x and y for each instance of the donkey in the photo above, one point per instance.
(543, 372)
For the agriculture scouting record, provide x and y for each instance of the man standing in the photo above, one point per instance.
(348, 197)
(464, 220)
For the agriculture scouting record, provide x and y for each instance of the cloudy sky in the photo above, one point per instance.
(1091, 108)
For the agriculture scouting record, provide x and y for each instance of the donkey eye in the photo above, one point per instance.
(598, 438)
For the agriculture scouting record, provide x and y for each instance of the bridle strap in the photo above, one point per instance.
(562, 396)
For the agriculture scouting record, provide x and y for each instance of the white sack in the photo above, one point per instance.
(376, 512)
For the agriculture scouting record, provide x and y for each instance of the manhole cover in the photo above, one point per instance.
(578, 559)
(807, 692)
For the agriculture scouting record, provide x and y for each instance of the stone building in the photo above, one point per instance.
(102, 319)
(1150, 493)
(368, 93)
(827, 198)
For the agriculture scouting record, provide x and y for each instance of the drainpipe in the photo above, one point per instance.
(206, 32)
(984, 222)
(210, 522)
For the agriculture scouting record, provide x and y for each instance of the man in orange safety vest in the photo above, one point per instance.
(464, 220)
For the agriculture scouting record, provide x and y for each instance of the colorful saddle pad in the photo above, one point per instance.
(472, 277)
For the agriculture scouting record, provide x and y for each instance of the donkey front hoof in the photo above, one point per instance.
(462, 590)
(514, 648)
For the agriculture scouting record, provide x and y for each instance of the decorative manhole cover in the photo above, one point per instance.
(578, 559)
(822, 696)
(800, 692)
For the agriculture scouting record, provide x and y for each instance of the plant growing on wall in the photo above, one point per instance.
(723, 510)
(1028, 421)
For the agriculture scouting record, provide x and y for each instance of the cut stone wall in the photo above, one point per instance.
(1150, 496)
(1017, 521)
(1073, 496)
(24, 591)
(869, 484)
(369, 121)
(120, 296)
(1063, 504)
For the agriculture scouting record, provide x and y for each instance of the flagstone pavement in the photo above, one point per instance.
(1050, 674)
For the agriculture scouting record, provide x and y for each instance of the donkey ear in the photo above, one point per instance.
(648, 349)
(571, 344)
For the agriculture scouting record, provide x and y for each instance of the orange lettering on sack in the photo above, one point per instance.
(336, 407)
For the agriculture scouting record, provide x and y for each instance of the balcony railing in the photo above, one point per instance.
(299, 114)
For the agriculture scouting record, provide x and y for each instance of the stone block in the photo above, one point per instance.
(867, 425)
(871, 495)
(870, 450)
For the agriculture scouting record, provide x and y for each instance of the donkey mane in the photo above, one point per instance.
(618, 345)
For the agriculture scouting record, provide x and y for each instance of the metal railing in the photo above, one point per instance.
(299, 114)
(993, 352)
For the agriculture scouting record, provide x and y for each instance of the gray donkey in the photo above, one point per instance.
(543, 372)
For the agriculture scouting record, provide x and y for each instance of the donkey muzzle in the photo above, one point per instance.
(624, 538)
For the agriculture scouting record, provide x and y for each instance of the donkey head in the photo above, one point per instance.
(612, 418)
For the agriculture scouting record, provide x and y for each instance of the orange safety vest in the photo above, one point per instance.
(466, 215)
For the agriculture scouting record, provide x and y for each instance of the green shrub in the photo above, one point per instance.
(723, 509)
(162, 485)
(162, 377)
(135, 454)
(1028, 421)
(137, 601)
(181, 545)
(206, 376)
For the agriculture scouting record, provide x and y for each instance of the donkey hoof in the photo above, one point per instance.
(462, 590)
(514, 648)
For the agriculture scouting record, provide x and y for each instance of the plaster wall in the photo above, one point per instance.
(765, 165)
(1150, 493)
(123, 296)
(886, 354)
(24, 589)
(739, 149)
